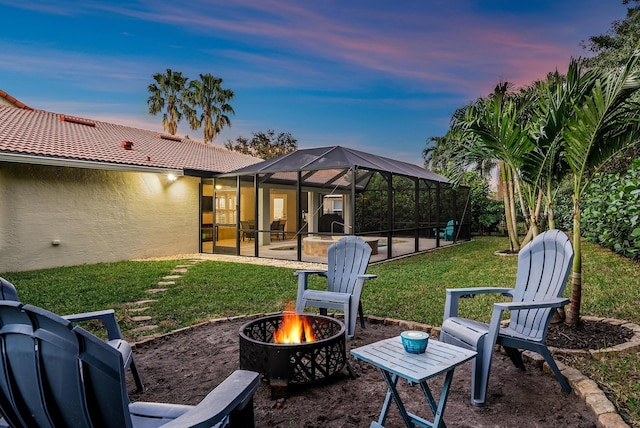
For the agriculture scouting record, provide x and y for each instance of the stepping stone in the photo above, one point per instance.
(139, 309)
(144, 302)
(145, 328)
(141, 318)
(178, 270)
(166, 283)
(172, 277)
(156, 290)
(182, 267)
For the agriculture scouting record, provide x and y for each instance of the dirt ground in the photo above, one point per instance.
(184, 367)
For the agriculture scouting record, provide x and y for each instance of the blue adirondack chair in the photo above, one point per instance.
(348, 259)
(56, 375)
(447, 232)
(107, 317)
(543, 269)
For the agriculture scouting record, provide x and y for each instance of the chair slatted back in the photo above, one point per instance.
(543, 269)
(347, 258)
(105, 385)
(42, 378)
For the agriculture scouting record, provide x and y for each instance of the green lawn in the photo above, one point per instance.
(410, 289)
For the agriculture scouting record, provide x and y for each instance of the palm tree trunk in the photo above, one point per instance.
(512, 208)
(550, 218)
(513, 239)
(573, 317)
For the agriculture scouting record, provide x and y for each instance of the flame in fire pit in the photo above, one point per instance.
(294, 328)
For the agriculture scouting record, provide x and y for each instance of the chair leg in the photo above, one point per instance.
(361, 313)
(515, 356)
(480, 370)
(554, 367)
(350, 321)
(136, 376)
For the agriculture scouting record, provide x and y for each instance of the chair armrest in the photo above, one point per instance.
(472, 291)
(367, 276)
(306, 273)
(454, 294)
(499, 308)
(107, 316)
(303, 276)
(550, 303)
(235, 393)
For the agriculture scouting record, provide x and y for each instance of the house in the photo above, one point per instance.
(75, 190)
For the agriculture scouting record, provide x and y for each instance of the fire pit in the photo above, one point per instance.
(321, 353)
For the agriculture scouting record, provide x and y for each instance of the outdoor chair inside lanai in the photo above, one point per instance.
(543, 269)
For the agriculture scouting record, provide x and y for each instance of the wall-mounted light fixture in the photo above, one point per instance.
(172, 177)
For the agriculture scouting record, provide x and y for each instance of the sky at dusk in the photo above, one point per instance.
(371, 75)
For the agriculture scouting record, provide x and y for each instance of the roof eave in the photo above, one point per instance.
(76, 163)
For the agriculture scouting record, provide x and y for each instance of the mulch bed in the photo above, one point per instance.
(184, 367)
(587, 335)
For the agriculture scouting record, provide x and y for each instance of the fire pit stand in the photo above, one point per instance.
(302, 363)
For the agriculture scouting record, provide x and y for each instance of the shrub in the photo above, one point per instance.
(611, 211)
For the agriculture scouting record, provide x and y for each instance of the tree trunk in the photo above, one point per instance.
(513, 239)
(573, 317)
(512, 208)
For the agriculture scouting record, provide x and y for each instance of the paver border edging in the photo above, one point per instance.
(606, 413)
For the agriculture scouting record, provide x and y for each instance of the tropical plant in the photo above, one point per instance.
(494, 127)
(265, 145)
(166, 95)
(486, 212)
(611, 213)
(212, 100)
(599, 125)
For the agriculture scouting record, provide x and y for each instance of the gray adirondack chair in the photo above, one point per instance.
(56, 375)
(348, 259)
(107, 317)
(543, 269)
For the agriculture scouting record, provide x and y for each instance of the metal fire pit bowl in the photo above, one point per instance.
(300, 363)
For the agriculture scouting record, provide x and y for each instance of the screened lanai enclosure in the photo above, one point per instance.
(294, 206)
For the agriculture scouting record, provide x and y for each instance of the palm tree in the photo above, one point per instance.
(600, 124)
(208, 94)
(167, 92)
(493, 126)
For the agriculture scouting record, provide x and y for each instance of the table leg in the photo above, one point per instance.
(438, 411)
(392, 392)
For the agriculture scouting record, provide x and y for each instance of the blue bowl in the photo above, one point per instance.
(414, 342)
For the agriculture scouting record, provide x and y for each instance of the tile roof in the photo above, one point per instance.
(51, 135)
(13, 100)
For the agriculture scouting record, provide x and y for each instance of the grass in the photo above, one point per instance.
(410, 289)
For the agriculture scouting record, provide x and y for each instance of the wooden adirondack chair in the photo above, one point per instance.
(56, 375)
(543, 269)
(107, 317)
(348, 259)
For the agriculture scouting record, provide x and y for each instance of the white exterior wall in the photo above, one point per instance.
(96, 215)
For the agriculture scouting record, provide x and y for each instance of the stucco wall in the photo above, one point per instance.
(96, 215)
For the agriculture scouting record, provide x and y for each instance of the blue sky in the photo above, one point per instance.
(372, 75)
